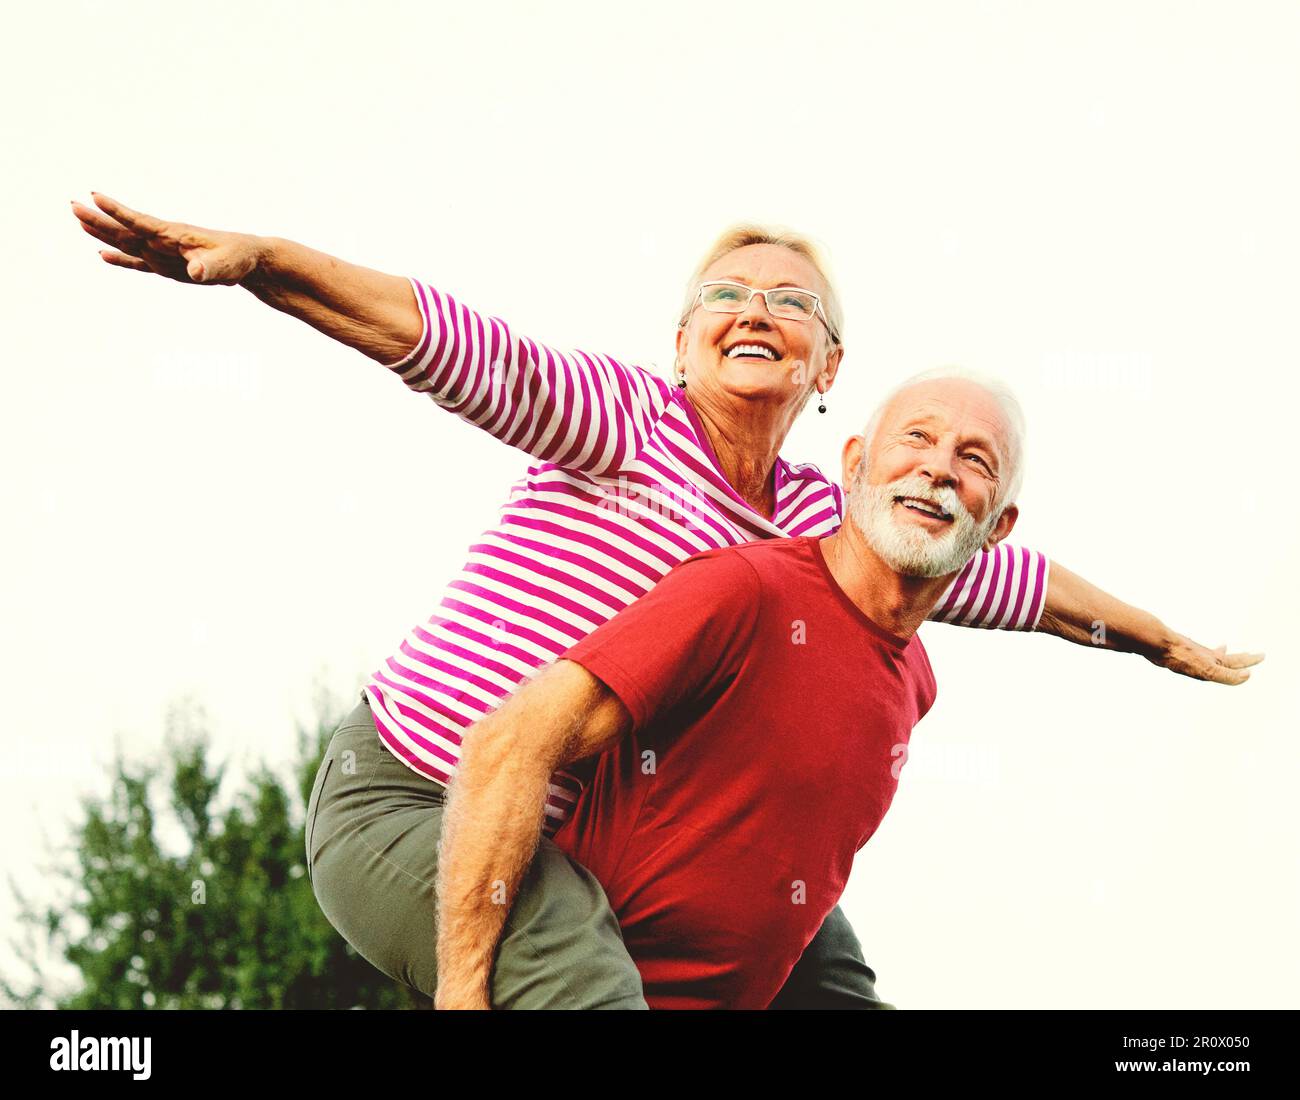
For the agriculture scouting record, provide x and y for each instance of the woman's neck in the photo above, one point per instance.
(747, 446)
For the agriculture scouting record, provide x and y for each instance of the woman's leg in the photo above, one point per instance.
(373, 827)
(831, 973)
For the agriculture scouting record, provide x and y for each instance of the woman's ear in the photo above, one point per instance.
(833, 357)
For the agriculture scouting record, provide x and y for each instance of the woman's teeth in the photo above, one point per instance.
(752, 349)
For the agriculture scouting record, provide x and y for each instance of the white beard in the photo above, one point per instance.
(909, 549)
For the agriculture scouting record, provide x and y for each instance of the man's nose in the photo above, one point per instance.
(939, 464)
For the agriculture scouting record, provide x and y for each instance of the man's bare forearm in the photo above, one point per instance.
(490, 831)
(365, 309)
(495, 810)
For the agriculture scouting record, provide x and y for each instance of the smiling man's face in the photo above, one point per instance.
(754, 354)
(926, 497)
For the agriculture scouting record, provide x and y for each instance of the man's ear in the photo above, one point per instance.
(851, 458)
(1002, 528)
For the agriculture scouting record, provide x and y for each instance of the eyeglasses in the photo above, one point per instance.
(790, 302)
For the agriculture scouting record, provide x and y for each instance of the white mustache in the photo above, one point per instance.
(904, 546)
(945, 497)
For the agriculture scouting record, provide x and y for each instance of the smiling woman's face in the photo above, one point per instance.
(753, 355)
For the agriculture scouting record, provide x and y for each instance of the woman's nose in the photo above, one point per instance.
(756, 309)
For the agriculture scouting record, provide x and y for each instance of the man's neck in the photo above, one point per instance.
(896, 603)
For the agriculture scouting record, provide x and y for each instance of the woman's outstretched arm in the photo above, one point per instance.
(368, 310)
(1009, 587)
(576, 410)
(1082, 613)
(1014, 588)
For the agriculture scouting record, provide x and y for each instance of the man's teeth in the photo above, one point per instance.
(924, 506)
(752, 349)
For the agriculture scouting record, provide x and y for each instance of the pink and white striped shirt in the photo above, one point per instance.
(625, 486)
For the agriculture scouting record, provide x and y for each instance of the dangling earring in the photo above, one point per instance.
(821, 402)
(681, 379)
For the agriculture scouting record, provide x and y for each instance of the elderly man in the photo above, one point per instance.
(750, 709)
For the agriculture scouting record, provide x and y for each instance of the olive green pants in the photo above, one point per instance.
(373, 827)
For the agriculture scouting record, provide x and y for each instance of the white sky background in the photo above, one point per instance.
(1095, 201)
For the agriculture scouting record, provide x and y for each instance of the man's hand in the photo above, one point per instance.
(445, 998)
(1187, 658)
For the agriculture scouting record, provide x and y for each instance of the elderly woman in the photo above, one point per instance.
(631, 475)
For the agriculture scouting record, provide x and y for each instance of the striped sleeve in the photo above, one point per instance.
(1000, 589)
(575, 410)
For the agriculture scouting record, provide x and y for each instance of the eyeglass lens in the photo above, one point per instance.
(781, 301)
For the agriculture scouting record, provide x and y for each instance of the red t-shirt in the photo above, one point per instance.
(769, 713)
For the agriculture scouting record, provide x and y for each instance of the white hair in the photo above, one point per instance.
(1007, 403)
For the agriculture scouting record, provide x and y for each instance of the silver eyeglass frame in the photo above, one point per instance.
(818, 311)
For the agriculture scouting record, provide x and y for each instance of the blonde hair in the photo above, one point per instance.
(747, 233)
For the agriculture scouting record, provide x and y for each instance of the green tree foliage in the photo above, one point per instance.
(230, 922)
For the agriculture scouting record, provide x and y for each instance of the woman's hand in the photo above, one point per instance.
(375, 313)
(174, 250)
(1187, 658)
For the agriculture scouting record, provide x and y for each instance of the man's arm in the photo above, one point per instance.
(495, 809)
(678, 642)
(1081, 612)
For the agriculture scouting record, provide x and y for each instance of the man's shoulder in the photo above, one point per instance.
(763, 559)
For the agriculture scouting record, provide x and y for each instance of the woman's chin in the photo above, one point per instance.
(755, 381)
